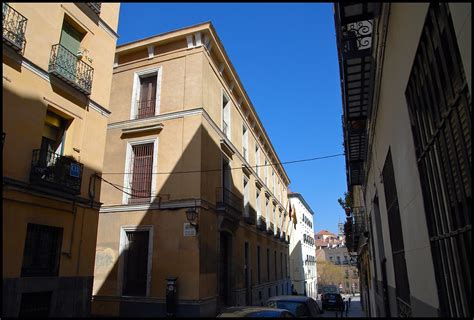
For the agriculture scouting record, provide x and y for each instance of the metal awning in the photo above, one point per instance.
(354, 28)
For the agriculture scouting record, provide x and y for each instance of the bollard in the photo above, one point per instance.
(171, 297)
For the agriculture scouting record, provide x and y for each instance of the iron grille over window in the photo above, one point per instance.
(42, 251)
(440, 110)
(35, 304)
(141, 178)
(396, 238)
(67, 66)
(14, 28)
(95, 6)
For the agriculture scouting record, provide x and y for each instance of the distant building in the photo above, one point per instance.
(325, 238)
(303, 271)
(340, 257)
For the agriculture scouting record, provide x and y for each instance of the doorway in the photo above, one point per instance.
(224, 268)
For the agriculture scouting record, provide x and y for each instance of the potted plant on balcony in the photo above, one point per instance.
(346, 204)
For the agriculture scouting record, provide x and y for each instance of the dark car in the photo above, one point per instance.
(255, 312)
(332, 301)
(300, 306)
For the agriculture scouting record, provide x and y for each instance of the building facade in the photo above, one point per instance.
(340, 257)
(406, 87)
(193, 193)
(57, 73)
(303, 271)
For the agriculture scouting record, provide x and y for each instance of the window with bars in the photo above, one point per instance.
(141, 173)
(35, 304)
(147, 97)
(440, 110)
(396, 238)
(41, 255)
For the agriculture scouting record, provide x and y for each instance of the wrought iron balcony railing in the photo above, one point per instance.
(262, 223)
(229, 202)
(14, 28)
(66, 65)
(56, 171)
(271, 228)
(95, 6)
(251, 216)
(277, 234)
(145, 109)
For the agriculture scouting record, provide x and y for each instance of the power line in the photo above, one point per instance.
(256, 166)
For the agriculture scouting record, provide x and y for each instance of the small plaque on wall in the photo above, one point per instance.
(189, 230)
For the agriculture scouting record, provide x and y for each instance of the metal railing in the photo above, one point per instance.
(262, 223)
(95, 6)
(277, 234)
(271, 228)
(404, 309)
(227, 199)
(251, 217)
(56, 171)
(14, 28)
(67, 66)
(145, 109)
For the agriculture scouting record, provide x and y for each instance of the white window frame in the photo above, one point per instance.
(257, 158)
(136, 89)
(128, 168)
(258, 194)
(123, 240)
(273, 182)
(227, 107)
(245, 142)
(245, 185)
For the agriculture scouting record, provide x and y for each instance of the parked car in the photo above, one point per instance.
(329, 289)
(332, 301)
(255, 312)
(300, 306)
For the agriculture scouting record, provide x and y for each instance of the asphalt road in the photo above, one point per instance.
(355, 310)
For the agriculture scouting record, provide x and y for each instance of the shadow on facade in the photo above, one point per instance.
(205, 265)
(297, 268)
(62, 291)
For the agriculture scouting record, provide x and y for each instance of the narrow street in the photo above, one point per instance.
(355, 310)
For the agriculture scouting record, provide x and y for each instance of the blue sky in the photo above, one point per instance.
(285, 55)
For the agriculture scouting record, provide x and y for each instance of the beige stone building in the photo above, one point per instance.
(185, 148)
(406, 87)
(57, 73)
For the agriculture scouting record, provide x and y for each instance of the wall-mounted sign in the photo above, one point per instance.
(74, 170)
(189, 230)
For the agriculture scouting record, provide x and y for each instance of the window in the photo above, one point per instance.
(259, 210)
(52, 141)
(274, 219)
(246, 197)
(440, 109)
(41, 255)
(146, 94)
(266, 172)
(35, 304)
(275, 262)
(396, 236)
(226, 115)
(268, 266)
(141, 162)
(136, 250)
(273, 181)
(245, 142)
(267, 209)
(70, 43)
(257, 159)
(281, 266)
(259, 279)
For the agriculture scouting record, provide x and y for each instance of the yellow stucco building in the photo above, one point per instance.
(185, 140)
(57, 73)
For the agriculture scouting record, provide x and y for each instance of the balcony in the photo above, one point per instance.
(14, 28)
(95, 6)
(65, 65)
(251, 217)
(145, 109)
(262, 224)
(229, 203)
(56, 171)
(271, 228)
(277, 234)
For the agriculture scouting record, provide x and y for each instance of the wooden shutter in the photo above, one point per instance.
(142, 173)
(70, 38)
(147, 101)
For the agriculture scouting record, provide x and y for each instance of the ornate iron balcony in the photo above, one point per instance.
(229, 203)
(56, 171)
(66, 65)
(14, 28)
(95, 6)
